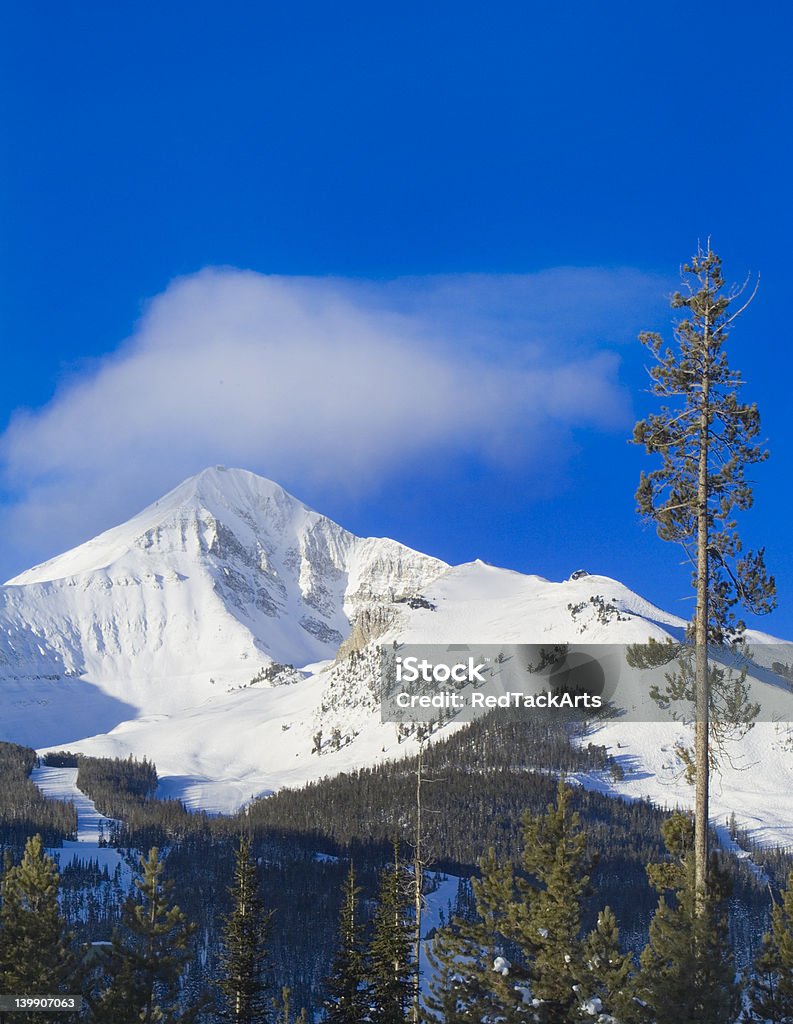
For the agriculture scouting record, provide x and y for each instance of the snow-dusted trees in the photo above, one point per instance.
(607, 973)
(771, 985)
(546, 917)
(524, 958)
(473, 979)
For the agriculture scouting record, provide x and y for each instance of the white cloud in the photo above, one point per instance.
(320, 382)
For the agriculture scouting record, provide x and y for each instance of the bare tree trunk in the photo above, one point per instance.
(701, 753)
(418, 879)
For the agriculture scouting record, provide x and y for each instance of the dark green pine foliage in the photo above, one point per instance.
(35, 958)
(523, 958)
(687, 971)
(24, 810)
(149, 953)
(390, 970)
(771, 986)
(347, 1002)
(473, 977)
(243, 955)
(546, 919)
(608, 974)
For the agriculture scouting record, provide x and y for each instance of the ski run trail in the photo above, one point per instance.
(61, 784)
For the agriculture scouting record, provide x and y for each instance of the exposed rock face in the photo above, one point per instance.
(370, 623)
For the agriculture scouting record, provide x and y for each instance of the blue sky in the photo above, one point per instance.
(440, 228)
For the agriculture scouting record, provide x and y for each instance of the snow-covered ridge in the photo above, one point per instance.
(167, 636)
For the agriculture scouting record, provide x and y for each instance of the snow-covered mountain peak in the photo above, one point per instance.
(169, 634)
(225, 574)
(235, 498)
(237, 492)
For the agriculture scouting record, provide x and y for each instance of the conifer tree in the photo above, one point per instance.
(148, 955)
(390, 969)
(771, 985)
(474, 978)
(448, 957)
(705, 438)
(346, 1002)
(546, 919)
(607, 979)
(523, 959)
(35, 958)
(243, 955)
(687, 968)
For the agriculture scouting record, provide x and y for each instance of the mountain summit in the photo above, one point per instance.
(222, 576)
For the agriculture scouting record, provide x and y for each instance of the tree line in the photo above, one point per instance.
(520, 954)
(23, 808)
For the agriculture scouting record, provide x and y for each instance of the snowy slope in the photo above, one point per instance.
(61, 784)
(200, 591)
(151, 639)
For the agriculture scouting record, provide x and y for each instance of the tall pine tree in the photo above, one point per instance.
(389, 967)
(142, 974)
(705, 438)
(243, 955)
(35, 956)
(347, 1001)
